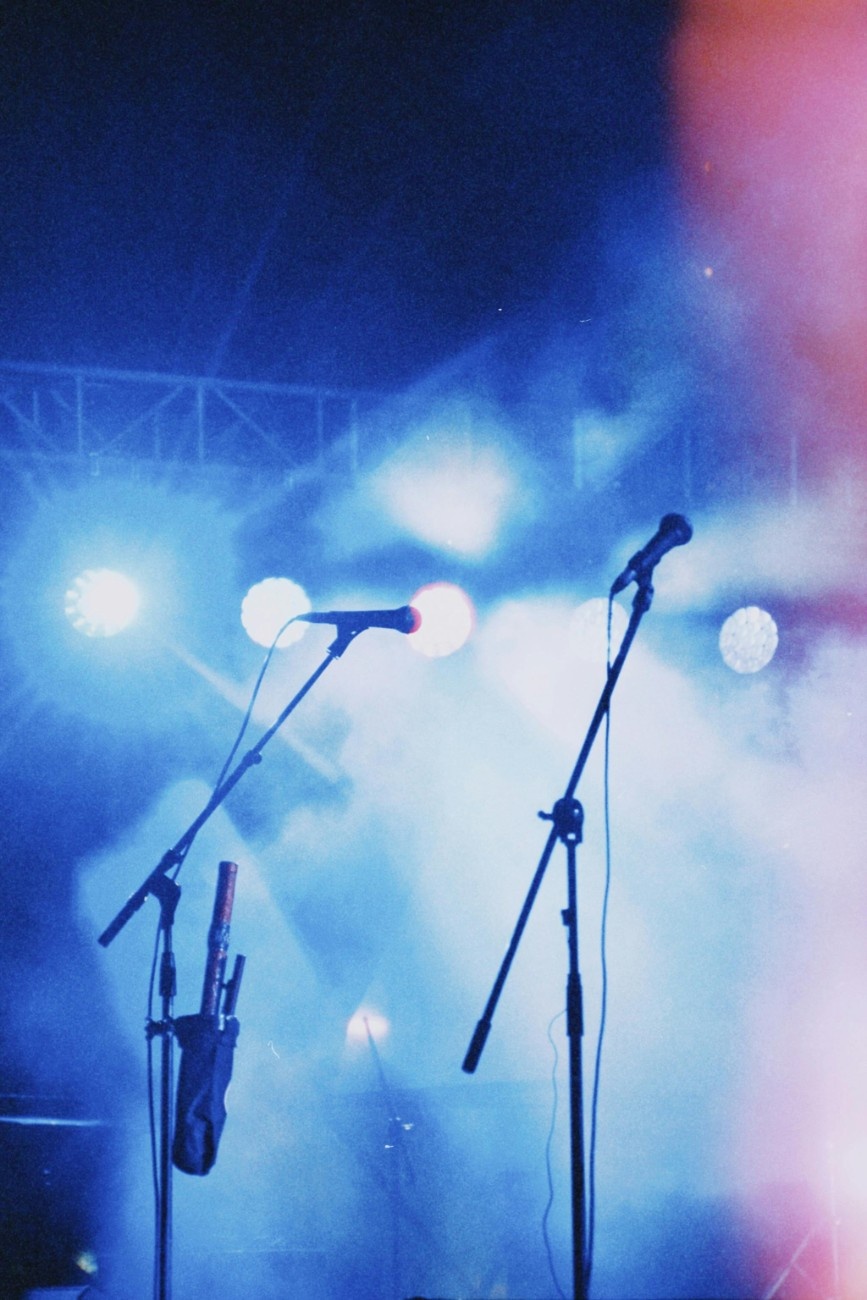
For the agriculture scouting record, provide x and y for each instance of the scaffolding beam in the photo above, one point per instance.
(96, 417)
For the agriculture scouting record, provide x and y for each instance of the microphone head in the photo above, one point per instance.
(405, 619)
(676, 524)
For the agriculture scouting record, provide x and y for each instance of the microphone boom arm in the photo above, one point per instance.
(175, 855)
(640, 605)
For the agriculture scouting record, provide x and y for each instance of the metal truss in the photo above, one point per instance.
(99, 420)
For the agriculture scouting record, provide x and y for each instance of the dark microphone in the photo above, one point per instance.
(673, 530)
(207, 1044)
(405, 619)
(218, 939)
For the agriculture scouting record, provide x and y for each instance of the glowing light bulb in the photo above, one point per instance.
(101, 602)
(268, 606)
(447, 619)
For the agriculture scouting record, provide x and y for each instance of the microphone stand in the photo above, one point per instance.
(167, 892)
(566, 825)
(395, 1146)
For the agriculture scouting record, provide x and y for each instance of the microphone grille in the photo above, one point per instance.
(676, 524)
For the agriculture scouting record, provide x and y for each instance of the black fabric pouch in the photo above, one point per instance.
(206, 1070)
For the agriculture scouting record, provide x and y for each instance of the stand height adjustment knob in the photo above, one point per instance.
(568, 819)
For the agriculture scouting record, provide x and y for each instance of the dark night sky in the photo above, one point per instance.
(344, 193)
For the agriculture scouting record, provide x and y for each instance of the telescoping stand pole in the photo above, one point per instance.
(168, 894)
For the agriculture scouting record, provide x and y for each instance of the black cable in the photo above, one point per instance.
(245, 722)
(174, 875)
(603, 1007)
(548, 1144)
(151, 1102)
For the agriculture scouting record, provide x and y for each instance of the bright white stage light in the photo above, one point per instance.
(268, 605)
(448, 495)
(447, 619)
(101, 602)
(365, 1025)
(748, 639)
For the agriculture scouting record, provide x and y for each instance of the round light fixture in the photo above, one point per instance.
(101, 602)
(268, 606)
(447, 619)
(748, 639)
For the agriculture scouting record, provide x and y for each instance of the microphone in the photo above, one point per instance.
(673, 530)
(405, 619)
(218, 939)
(207, 1045)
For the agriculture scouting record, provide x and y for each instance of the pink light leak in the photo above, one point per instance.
(771, 119)
(770, 102)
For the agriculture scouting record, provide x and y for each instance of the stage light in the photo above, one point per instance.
(365, 1025)
(602, 445)
(268, 605)
(748, 639)
(87, 1262)
(447, 619)
(448, 495)
(101, 602)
